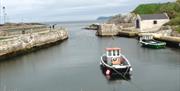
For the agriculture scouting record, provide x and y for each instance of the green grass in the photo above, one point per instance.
(3, 38)
(178, 29)
(147, 9)
(174, 21)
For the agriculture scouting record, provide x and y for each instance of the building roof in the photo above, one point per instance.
(153, 16)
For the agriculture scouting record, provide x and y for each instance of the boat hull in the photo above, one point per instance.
(113, 71)
(153, 44)
(121, 70)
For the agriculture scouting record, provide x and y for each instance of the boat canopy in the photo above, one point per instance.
(109, 49)
(113, 52)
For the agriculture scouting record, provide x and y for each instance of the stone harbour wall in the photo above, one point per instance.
(107, 30)
(25, 42)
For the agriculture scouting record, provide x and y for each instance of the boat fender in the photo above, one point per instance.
(108, 72)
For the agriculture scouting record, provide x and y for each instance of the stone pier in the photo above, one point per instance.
(170, 41)
(107, 30)
(23, 43)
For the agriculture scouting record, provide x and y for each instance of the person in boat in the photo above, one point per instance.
(117, 61)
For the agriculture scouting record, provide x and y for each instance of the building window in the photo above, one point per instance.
(155, 22)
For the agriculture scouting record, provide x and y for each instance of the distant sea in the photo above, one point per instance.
(71, 22)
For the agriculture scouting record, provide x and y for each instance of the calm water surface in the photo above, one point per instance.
(74, 66)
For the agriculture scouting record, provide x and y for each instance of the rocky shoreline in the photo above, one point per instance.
(109, 30)
(124, 26)
(24, 43)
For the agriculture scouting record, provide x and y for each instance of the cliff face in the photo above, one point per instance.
(28, 41)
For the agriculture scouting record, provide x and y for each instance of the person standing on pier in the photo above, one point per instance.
(53, 26)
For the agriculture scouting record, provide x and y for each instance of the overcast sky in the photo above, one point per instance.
(67, 10)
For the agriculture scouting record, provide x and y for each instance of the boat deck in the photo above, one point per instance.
(124, 62)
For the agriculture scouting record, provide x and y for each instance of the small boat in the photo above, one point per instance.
(114, 63)
(148, 41)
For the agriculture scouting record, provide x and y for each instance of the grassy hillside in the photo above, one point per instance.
(147, 9)
(171, 8)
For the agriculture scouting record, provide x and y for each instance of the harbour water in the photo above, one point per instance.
(74, 66)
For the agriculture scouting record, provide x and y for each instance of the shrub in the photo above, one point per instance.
(175, 21)
(178, 28)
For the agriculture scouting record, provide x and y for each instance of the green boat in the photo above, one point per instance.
(149, 42)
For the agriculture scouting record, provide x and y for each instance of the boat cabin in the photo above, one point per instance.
(114, 56)
(113, 52)
(146, 37)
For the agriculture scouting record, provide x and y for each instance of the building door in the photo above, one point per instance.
(137, 23)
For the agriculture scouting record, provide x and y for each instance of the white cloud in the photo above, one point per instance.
(55, 9)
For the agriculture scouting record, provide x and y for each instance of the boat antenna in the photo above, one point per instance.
(112, 37)
(112, 43)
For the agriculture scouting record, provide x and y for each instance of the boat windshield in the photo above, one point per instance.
(109, 53)
(118, 52)
(114, 53)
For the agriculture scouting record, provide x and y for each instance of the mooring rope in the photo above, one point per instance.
(126, 71)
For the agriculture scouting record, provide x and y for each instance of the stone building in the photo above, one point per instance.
(150, 22)
(107, 30)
